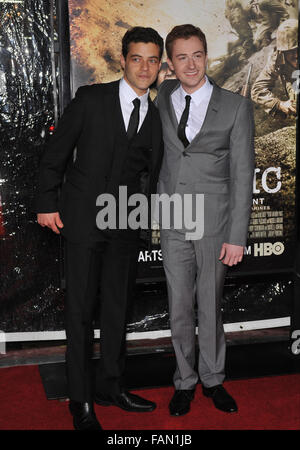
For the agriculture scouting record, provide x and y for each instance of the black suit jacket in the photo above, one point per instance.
(88, 123)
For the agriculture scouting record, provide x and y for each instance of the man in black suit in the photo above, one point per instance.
(118, 142)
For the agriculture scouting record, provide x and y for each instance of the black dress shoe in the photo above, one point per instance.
(222, 400)
(84, 417)
(127, 401)
(181, 401)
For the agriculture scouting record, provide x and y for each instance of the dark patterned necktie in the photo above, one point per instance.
(134, 119)
(183, 122)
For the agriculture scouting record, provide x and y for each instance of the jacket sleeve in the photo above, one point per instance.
(58, 152)
(241, 173)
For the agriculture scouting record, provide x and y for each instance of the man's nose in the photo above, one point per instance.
(145, 65)
(191, 63)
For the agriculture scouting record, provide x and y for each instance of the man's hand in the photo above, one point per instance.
(50, 220)
(288, 107)
(231, 254)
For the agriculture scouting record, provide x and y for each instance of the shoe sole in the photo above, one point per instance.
(77, 427)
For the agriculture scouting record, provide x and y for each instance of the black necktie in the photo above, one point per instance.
(134, 119)
(183, 121)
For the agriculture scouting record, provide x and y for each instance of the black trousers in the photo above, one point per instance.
(103, 272)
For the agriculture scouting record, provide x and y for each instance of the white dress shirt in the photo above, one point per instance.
(198, 107)
(127, 95)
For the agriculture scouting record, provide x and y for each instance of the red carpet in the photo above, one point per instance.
(271, 403)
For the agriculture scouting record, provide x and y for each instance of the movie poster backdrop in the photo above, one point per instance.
(241, 39)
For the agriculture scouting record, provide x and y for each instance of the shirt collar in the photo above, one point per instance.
(198, 95)
(128, 94)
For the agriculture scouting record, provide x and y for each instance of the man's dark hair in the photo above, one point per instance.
(141, 34)
(184, 32)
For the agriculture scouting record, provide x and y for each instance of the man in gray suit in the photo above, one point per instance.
(208, 134)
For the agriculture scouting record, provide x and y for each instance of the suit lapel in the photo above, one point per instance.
(212, 109)
(156, 134)
(171, 87)
(210, 116)
(113, 113)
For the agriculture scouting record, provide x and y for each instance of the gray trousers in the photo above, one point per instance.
(194, 273)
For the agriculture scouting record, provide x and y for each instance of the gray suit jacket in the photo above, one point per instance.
(218, 163)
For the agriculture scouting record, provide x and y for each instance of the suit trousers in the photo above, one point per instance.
(194, 274)
(99, 278)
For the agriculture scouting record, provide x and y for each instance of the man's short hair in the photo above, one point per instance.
(141, 34)
(184, 32)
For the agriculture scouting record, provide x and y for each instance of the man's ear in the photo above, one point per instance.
(170, 64)
(122, 61)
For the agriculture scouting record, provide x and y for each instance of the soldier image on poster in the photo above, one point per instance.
(254, 22)
(252, 32)
(281, 65)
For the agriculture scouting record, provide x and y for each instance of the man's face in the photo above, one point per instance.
(189, 63)
(291, 57)
(141, 65)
